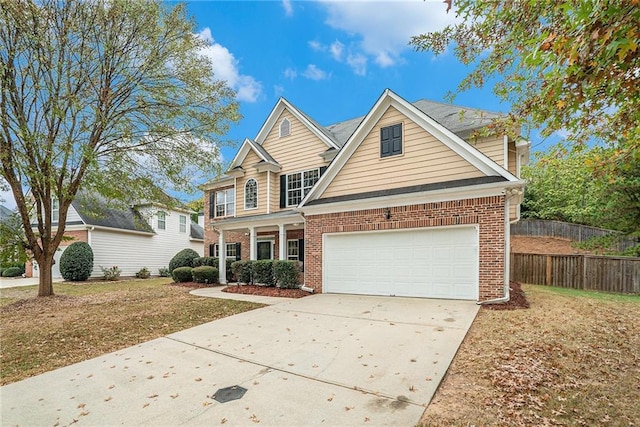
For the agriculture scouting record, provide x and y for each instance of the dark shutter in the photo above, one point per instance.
(301, 250)
(238, 253)
(212, 249)
(322, 170)
(283, 191)
(212, 204)
(391, 140)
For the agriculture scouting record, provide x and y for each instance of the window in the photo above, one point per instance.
(225, 202)
(292, 250)
(55, 210)
(162, 220)
(251, 194)
(391, 140)
(285, 128)
(231, 252)
(299, 184)
(183, 224)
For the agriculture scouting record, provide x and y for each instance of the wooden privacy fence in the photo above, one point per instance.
(566, 230)
(588, 272)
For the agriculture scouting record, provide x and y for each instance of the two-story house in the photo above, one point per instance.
(398, 202)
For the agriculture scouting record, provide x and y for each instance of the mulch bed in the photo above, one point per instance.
(518, 299)
(267, 291)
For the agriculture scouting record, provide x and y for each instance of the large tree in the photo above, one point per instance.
(111, 97)
(567, 65)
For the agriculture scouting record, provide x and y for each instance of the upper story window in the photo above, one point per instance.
(55, 210)
(225, 202)
(391, 140)
(299, 184)
(285, 127)
(162, 220)
(183, 223)
(251, 194)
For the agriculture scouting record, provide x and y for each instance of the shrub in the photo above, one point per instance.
(205, 274)
(164, 272)
(11, 272)
(231, 277)
(243, 270)
(211, 261)
(144, 273)
(263, 272)
(184, 258)
(182, 274)
(286, 273)
(76, 262)
(111, 273)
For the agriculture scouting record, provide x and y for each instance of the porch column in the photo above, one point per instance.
(222, 255)
(252, 243)
(282, 252)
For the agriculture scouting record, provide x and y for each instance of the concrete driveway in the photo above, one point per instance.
(324, 359)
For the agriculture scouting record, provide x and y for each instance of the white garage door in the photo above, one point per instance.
(432, 263)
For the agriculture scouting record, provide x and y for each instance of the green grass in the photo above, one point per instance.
(578, 293)
(86, 320)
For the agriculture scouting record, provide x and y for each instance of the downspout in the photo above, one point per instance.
(507, 250)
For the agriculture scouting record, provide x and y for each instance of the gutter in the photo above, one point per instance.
(507, 250)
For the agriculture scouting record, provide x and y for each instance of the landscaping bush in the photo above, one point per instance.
(263, 272)
(231, 277)
(76, 262)
(111, 273)
(164, 272)
(11, 272)
(243, 271)
(144, 273)
(184, 258)
(205, 274)
(211, 261)
(286, 273)
(182, 274)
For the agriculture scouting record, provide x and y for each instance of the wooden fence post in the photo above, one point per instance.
(548, 271)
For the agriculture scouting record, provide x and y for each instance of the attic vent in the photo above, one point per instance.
(285, 128)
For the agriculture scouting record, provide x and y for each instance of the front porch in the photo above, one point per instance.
(275, 236)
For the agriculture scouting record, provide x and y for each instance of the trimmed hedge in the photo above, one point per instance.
(11, 272)
(76, 262)
(286, 273)
(243, 270)
(205, 260)
(184, 258)
(205, 274)
(182, 274)
(263, 272)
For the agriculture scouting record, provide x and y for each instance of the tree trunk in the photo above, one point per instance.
(45, 284)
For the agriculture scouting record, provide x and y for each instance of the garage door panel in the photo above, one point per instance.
(438, 263)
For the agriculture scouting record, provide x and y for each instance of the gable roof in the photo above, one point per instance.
(96, 210)
(442, 133)
(247, 146)
(196, 232)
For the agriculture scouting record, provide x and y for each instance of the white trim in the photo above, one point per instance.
(434, 196)
(280, 106)
(245, 195)
(302, 195)
(268, 192)
(258, 222)
(506, 152)
(444, 135)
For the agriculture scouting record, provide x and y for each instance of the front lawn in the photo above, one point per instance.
(573, 358)
(86, 320)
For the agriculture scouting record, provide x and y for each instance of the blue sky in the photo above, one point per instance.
(331, 59)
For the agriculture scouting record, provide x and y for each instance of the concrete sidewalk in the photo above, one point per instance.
(324, 359)
(14, 282)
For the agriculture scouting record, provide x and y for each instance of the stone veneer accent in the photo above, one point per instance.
(487, 212)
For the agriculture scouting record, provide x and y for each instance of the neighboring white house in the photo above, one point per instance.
(146, 235)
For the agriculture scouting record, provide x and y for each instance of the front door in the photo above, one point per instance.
(264, 250)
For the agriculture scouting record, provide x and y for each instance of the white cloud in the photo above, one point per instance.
(358, 63)
(317, 46)
(278, 90)
(226, 67)
(288, 7)
(383, 29)
(290, 73)
(336, 50)
(314, 73)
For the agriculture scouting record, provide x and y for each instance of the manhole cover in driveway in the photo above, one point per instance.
(228, 394)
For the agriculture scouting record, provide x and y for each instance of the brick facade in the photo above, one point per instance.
(487, 212)
(76, 236)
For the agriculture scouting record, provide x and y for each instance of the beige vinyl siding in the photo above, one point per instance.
(298, 151)
(261, 178)
(512, 158)
(492, 147)
(424, 160)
